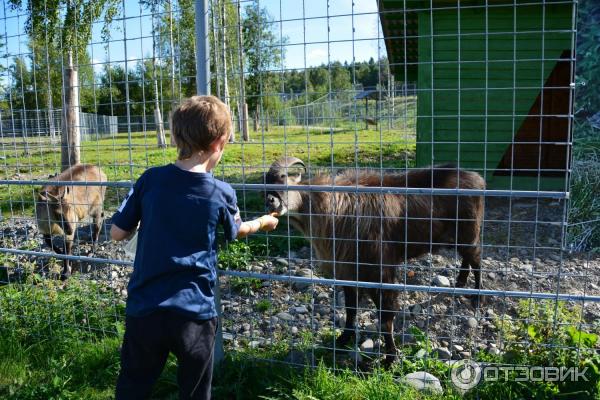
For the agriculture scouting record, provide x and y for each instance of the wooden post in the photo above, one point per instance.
(267, 121)
(70, 137)
(244, 122)
(366, 113)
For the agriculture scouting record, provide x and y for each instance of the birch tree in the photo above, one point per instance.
(66, 26)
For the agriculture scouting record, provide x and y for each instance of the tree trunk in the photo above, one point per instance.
(256, 124)
(244, 122)
(224, 54)
(266, 121)
(172, 50)
(243, 105)
(71, 135)
(51, 125)
(161, 141)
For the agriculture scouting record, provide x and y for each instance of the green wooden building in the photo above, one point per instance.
(494, 84)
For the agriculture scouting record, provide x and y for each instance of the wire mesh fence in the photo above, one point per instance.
(423, 188)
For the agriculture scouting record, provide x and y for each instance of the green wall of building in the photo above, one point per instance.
(476, 88)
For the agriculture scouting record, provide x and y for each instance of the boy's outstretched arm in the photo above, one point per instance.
(118, 234)
(265, 223)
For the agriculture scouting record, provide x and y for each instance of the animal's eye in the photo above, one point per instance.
(283, 175)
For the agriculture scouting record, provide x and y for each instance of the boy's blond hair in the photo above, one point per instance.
(197, 122)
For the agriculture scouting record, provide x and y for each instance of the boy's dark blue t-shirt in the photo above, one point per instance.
(176, 254)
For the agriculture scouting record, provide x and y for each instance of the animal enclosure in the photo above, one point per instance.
(430, 140)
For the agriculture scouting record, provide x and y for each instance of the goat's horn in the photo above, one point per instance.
(286, 162)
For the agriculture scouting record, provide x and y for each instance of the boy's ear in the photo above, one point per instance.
(218, 144)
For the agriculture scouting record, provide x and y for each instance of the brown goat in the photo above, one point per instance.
(59, 209)
(366, 236)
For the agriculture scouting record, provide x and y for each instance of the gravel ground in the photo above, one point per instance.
(275, 312)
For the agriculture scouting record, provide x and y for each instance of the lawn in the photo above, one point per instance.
(125, 156)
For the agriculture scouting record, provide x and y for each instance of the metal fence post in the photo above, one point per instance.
(203, 88)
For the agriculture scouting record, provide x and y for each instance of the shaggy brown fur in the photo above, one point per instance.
(60, 208)
(367, 236)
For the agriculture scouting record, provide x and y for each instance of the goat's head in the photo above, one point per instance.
(285, 171)
(53, 207)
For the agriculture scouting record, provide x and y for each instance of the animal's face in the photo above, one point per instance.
(285, 171)
(53, 208)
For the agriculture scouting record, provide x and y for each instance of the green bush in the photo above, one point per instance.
(545, 334)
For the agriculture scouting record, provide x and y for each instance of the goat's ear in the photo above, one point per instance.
(42, 195)
(60, 192)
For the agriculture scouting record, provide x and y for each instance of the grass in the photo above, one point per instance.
(58, 341)
(584, 213)
(124, 158)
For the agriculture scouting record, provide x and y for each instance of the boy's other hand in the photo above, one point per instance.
(269, 222)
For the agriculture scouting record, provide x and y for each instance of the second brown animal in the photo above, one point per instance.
(60, 208)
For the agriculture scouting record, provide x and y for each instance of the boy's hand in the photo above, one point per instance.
(269, 222)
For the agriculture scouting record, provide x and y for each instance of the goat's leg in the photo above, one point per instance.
(463, 275)
(471, 259)
(350, 297)
(385, 301)
(97, 226)
(50, 243)
(66, 272)
(475, 263)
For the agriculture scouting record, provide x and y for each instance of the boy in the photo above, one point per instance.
(170, 305)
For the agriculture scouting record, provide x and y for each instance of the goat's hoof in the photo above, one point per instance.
(344, 339)
(477, 300)
(389, 360)
(64, 276)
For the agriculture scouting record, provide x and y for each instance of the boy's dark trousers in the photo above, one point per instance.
(146, 345)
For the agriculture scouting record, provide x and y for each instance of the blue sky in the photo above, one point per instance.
(303, 22)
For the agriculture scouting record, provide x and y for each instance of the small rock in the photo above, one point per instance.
(294, 330)
(528, 268)
(114, 275)
(274, 320)
(494, 351)
(246, 327)
(282, 262)
(442, 353)
(323, 296)
(285, 316)
(227, 337)
(465, 354)
(423, 381)
(441, 281)
(367, 345)
(472, 323)
(457, 348)
(416, 310)
(300, 310)
(421, 353)
(491, 275)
